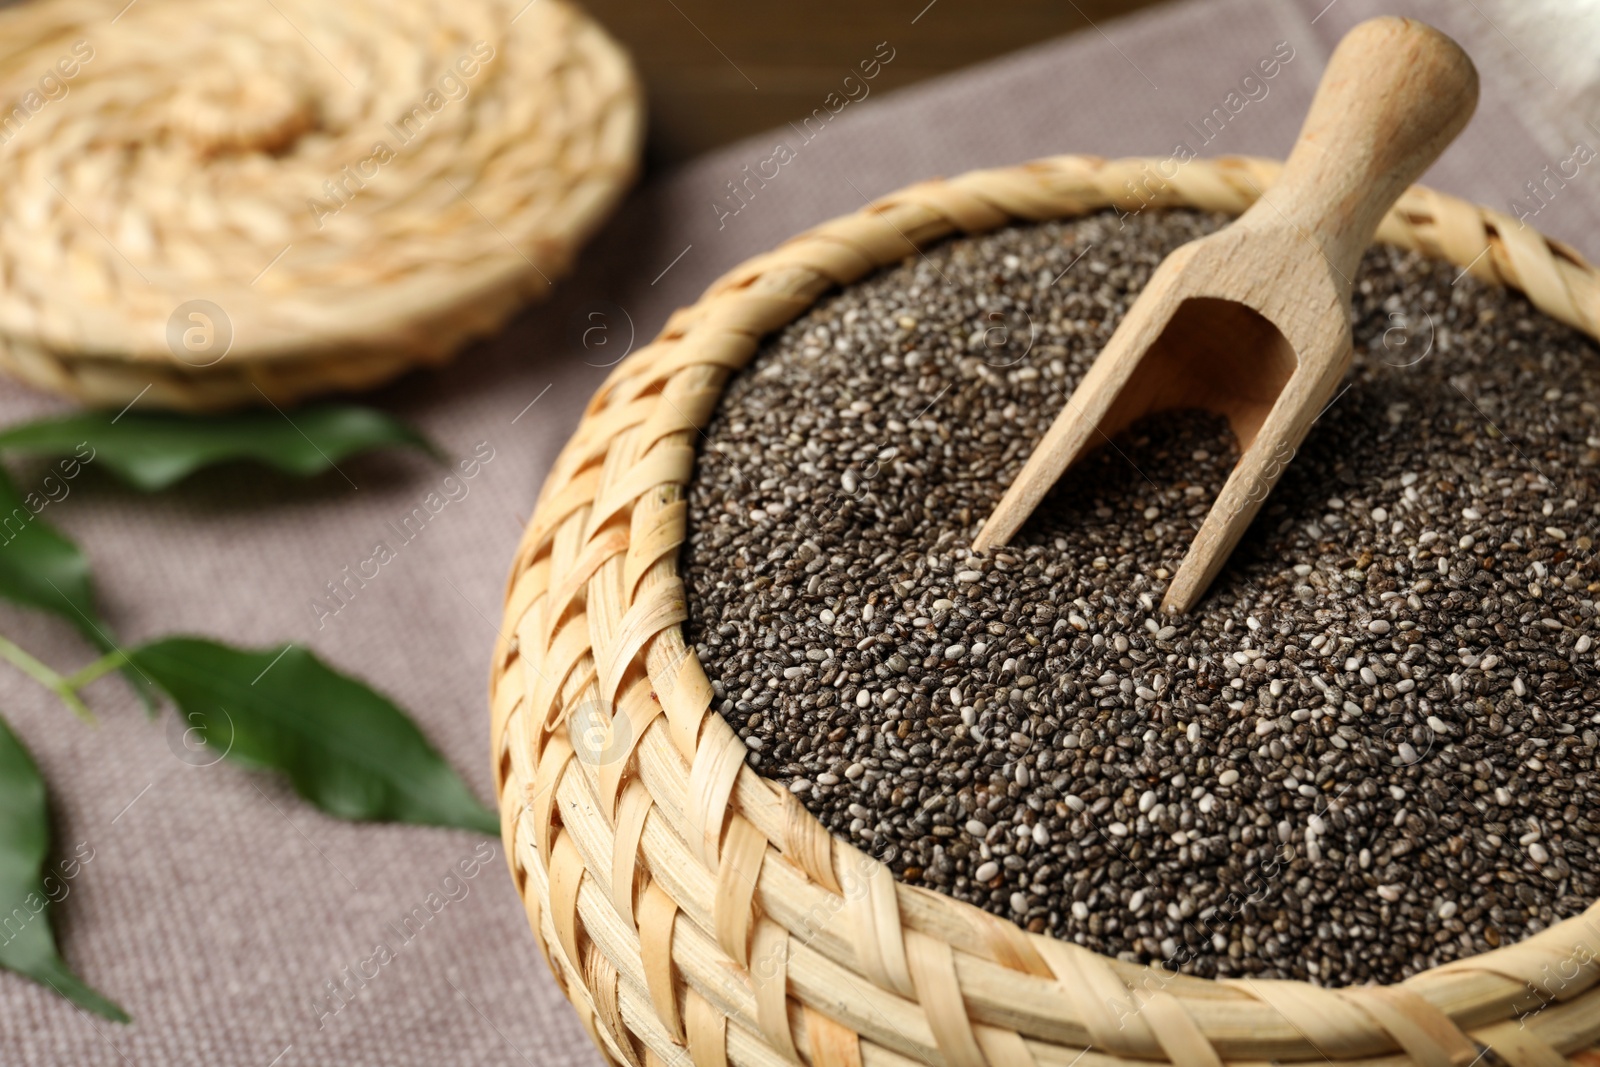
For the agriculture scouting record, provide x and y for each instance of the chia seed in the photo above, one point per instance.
(1369, 751)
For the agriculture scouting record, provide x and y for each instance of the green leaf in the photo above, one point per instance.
(154, 450)
(27, 944)
(39, 567)
(345, 748)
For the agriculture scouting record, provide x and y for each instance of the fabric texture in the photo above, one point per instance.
(217, 905)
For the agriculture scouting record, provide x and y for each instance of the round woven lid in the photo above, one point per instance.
(218, 202)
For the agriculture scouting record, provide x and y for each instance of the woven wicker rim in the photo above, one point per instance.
(694, 911)
(358, 187)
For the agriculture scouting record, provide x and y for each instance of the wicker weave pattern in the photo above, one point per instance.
(229, 150)
(695, 912)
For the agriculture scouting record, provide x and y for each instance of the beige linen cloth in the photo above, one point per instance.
(218, 906)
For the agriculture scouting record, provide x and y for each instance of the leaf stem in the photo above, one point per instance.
(107, 663)
(39, 672)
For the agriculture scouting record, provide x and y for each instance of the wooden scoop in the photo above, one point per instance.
(1253, 322)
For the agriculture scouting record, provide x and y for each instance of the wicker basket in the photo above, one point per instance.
(298, 196)
(694, 911)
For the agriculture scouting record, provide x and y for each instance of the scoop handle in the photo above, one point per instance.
(1394, 94)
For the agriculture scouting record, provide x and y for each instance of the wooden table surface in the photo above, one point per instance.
(718, 70)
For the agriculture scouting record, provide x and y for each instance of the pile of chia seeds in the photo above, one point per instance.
(1371, 749)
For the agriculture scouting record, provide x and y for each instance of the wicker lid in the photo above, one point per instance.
(212, 202)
